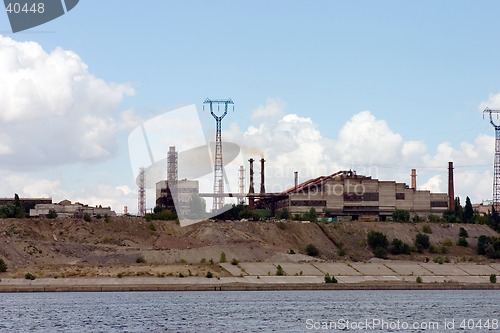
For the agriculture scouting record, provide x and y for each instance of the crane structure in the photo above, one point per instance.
(218, 202)
(496, 167)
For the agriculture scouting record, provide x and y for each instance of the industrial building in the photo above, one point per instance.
(176, 195)
(67, 209)
(345, 193)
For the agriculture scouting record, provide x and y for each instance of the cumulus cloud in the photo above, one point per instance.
(273, 109)
(52, 109)
(493, 102)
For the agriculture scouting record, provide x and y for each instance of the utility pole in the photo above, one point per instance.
(218, 164)
(496, 167)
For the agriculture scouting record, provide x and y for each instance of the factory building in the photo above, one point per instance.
(176, 196)
(67, 209)
(347, 194)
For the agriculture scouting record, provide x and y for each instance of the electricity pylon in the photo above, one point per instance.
(218, 164)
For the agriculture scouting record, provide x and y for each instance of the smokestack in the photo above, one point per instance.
(296, 180)
(414, 179)
(262, 186)
(451, 187)
(251, 189)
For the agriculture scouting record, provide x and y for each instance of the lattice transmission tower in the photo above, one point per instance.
(218, 164)
(496, 167)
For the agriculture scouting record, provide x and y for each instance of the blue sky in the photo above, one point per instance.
(421, 68)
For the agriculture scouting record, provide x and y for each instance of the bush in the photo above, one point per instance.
(380, 252)
(234, 262)
(87, 217)
(426, 229)
(462, 241)
(281, 225)
(377, 239)
(330, 279)
(401, 216)
(419, 279)
(291, 251)
(422, 241)
(107, 218)
(493, 278)
(52, 214)
(3, 266)
(447, 242)
(209, 275)
(280, 271)
(312, 250)
(222, 258)
(29, 276)
(463, 233)
(152, 226)
(398, 247)
(341, 251)
(140, 260)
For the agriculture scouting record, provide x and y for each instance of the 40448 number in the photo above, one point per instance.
(16, 8)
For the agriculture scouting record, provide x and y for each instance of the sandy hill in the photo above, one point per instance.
(69, 247)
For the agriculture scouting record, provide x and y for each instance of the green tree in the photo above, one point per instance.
(468, 214)
(312, 250)
(7, 211)
(283, 214)
(462, 241)
(377, 239)
(197, 208)
(422, 241)
(400, 215)
(19, 208)
(222, 258)
(459, 210)
(87, 217)
(494, 219)
(3, 266)
(52, 214)
(280, 271)
(398, 247)
(313, 215)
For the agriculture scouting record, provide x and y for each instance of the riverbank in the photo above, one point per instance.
(232, 284)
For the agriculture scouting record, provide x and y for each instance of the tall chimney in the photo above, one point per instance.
(451, 187)
(251, 189)
(414, 179)
(262, 182)
(296, 180)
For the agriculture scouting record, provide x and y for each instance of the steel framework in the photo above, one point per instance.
(218, 163)
(141, 211)
(496, 167)
(241, 183)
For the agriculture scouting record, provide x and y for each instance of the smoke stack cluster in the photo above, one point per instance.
(414, 179)
(451, 187)
(262, 181)
(251, 189)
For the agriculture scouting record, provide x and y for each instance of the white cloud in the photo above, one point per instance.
(52, 109)
(273, 109)
(129, 120)
(493, 102)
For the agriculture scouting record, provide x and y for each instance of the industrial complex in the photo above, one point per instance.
(341, 194)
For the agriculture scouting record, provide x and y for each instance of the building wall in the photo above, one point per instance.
(362, 196)
(71, 210)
